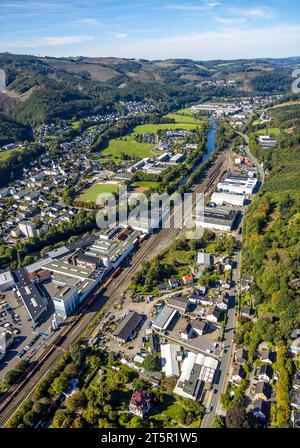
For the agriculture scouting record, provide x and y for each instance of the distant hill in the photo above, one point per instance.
(41, 89)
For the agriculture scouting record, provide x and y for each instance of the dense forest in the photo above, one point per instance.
(13, 131)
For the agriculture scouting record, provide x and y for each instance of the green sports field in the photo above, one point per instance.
(92, 193)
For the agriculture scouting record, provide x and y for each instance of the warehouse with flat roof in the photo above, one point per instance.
(217, 219)
(33, 301)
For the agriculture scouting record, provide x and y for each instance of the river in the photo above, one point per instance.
(211, 145)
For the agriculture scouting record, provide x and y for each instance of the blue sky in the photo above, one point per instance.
(152, 29)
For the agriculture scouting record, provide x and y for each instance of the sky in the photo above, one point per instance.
(151, 29)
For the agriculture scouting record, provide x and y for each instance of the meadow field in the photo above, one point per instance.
(92, 193)
(127, 145)
(6, 154)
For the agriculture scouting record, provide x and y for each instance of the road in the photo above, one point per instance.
(227, 349)
(74, 327)
(231, 320)
(254, 160)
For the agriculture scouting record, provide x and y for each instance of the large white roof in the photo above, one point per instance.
(170, 365)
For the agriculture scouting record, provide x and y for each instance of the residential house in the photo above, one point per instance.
(222, 303)
(263, 390)
(296, 381)
(261, 409)
(173, 282)
(238, 374)
(241, 356)
(188, 279)
(296, 419)
(295, 399)
(265, 373)
(140, 403)
(268, 356)
(295, 346)
(246, 282)
(246, 311)
(213, 314)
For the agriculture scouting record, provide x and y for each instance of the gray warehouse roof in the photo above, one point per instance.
(128, 325)
(30, 295)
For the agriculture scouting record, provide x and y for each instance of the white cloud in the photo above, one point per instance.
(262, 12)
(190, 7)
(44, 41)
(120, 35)
(231, 21)
(65, 40)
(280, 41)
(92, 22)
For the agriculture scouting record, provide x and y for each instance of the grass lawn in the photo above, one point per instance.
(129, 146)
(92, 193)
(6, 154)
(269, 131)
(76, 124)
(185, 112)
(184, 119)
(153, 128)
(145, 184)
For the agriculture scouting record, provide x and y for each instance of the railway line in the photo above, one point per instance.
(75, 326)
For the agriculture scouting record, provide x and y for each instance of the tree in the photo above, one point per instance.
(77, 355)
(58, 418)
(152, 363)
(236, 417)
(60, 383)
(30, 418)
(137, 422)
(71, 370)
(219, 422)
(76, 401)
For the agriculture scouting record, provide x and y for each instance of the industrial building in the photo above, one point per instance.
(112, 252)
(196, 370)
(179, 304)
(217, 219)
(34, 303)
(171, 354)
(6, 281)
(70, 284)
(221, 198)
(128, 327)
(266, 141)
(238, 184)
(164, 319)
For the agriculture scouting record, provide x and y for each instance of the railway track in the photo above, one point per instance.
(75, 326)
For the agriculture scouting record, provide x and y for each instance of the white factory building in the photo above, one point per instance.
(6, 281)
(237, 184)
(196, 370)
(221, 198)
(170, 356)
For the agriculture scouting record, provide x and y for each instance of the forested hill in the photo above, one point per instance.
(43, 89)
(271, 252)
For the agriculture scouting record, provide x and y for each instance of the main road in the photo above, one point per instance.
(75, 327)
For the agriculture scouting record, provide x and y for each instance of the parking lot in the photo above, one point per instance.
(26, 339)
